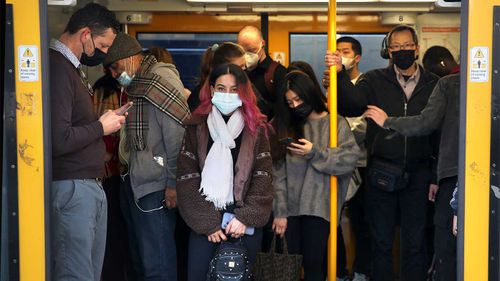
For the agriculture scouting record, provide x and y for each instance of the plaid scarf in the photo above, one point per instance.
(151, 87)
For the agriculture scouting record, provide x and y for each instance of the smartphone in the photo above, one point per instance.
(227, 217)
(122, 110)
(286, 141)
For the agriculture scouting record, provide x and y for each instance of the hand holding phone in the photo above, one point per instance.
(123, 109)
(287, 141)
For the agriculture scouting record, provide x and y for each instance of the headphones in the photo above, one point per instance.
(384, 51)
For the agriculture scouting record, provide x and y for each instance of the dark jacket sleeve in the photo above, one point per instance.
(352, 99)
(199, 214)
(67, 138)
(257, 202)
(429, 118)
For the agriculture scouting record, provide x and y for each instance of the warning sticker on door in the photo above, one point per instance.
(479, 64)
(28, 63)
(279, 57)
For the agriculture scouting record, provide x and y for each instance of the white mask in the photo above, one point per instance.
(348, 63)
(252, 59)
(226, 103)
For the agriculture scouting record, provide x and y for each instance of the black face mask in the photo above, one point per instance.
(302, 111)
(94, 60)
(403, 58)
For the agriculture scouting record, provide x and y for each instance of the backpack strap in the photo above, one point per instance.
(269, 76)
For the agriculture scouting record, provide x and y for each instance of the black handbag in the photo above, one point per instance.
(230, 262)
(273, 266)
(386, 175)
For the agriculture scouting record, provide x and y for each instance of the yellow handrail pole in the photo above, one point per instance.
(332, 107)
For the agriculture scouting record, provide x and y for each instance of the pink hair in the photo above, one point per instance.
(251, 113)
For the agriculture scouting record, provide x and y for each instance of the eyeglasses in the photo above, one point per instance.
(397, 47)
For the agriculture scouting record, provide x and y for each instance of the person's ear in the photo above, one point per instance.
(358, 58)
(85, 34)
(212, 90)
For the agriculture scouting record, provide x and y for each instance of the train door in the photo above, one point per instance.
(478, 232)
(26, 145)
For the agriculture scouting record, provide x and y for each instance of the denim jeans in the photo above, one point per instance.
(78, 229)
(154, 232)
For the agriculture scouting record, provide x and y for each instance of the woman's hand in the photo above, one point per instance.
(279, 226)
(235, 228)
(217, 237)
(302, 148)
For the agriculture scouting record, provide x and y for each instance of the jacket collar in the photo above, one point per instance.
(425, 77)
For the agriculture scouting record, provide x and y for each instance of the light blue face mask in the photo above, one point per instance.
(124, 79)
(226, 103)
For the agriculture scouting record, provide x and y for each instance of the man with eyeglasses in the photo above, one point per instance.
(400, 175)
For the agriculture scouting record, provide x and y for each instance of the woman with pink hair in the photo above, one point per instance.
(224, 169)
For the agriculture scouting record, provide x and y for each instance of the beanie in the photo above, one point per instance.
(124, 46)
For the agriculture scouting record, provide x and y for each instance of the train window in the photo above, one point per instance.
(311, 49)
(186, 50)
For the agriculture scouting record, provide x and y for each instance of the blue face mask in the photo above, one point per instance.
(124, 79)
(226, 103)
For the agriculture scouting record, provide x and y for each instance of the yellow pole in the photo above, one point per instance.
(27, 46)
(332, 107)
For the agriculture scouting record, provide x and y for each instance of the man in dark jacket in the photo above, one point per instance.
(402, 89)
(441, 112)
(266, 74)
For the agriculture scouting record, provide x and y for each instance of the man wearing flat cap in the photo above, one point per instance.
(152, 139)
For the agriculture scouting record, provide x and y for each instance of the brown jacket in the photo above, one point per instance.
(253, 190)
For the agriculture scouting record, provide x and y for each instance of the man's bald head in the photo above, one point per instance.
(250, 38)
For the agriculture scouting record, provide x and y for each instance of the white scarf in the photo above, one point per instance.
(217, 175)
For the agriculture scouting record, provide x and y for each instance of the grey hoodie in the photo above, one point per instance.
(155, 168)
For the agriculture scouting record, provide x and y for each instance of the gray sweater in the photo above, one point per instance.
(155, 168)
(302, 184)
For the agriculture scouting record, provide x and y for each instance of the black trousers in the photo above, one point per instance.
(445, 243)
(360, 227)
(118, 264)
(201, 251)
(410, 204)
(308, 236)
(341, 254)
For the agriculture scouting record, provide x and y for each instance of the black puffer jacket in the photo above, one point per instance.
(381, 88)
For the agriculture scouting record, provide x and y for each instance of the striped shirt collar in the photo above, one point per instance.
(57, 45)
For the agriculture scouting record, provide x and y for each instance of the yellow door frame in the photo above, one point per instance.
(475, 134)
(33, 130)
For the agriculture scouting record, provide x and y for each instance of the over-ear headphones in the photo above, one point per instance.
(384, 51)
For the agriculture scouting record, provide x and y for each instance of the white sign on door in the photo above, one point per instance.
(28, 63)
(479, 64)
